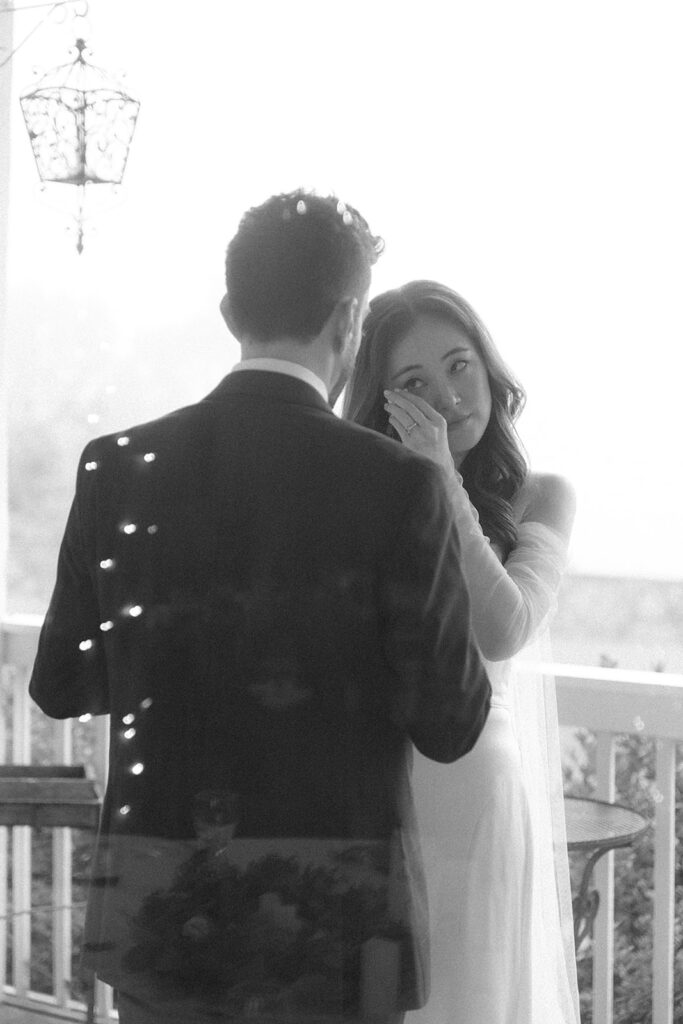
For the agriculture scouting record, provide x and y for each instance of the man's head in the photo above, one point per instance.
(293, 261)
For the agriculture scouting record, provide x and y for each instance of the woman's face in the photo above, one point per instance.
(437, 361)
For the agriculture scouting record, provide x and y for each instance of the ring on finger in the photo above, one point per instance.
(411, 427)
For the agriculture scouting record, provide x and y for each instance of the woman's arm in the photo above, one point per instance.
(510, 601)
(549, 499)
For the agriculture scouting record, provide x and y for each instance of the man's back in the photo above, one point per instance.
(244, 551)
(269, 625)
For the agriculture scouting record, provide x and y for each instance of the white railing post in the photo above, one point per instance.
(603, 935)
(665, 883)
(21, 842)
(103, 993)
(61, 883)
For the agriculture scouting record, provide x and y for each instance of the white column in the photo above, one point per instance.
(6, 42)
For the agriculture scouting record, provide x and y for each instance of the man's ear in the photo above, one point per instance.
(227, 315)
(344, 315)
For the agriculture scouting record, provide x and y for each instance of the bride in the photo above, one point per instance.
(491, 824)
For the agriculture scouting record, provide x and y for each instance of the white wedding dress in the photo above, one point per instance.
(492, 824)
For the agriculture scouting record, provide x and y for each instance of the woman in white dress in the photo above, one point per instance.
(492, 824)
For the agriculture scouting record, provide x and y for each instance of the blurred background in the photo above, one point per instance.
(528, 155)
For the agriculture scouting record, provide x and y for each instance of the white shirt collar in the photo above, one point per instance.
(290, 369)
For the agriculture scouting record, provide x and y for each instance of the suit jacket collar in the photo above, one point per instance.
(284, 366)
(273, 386)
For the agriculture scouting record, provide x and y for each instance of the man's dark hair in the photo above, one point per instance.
(292, 260)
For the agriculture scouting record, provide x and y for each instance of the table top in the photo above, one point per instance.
(595, 824)
(48, 796)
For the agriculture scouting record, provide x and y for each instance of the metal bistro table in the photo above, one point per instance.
(596, 827)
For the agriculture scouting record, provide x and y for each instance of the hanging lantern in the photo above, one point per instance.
(80, 122)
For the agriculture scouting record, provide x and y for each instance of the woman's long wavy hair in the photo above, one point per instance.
(494, 471)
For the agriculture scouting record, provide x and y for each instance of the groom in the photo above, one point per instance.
(267, 601)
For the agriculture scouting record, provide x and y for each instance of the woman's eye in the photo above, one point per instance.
(458, 365)
(412, 384)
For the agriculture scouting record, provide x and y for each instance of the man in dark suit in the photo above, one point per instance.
(268, 603)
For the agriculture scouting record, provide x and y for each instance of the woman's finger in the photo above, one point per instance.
(405, 409)
(420, 403)
(415, 405)
(401, 416)
(401, 429)
(404, 412)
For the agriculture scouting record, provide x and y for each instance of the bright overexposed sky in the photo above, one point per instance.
(528, 154)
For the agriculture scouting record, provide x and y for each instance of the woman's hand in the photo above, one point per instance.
(420, 428)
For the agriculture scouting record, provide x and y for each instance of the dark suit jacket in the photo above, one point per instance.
(267, 600)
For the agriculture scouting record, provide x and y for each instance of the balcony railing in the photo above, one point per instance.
(59, 743)
(608, 702)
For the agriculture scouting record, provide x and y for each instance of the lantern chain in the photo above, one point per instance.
(53, 7)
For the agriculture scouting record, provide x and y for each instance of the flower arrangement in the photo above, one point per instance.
(283, 935)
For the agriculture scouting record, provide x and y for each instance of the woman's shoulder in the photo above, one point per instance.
(547, 498)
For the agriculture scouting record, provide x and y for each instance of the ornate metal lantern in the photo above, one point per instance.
(80, 122)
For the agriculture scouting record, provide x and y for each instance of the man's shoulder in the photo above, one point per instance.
(185, 421)
(374, 444)
(379, 457)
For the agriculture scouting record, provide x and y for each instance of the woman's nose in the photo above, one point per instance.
(446, 399)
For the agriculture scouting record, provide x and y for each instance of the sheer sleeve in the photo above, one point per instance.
(511, 602)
